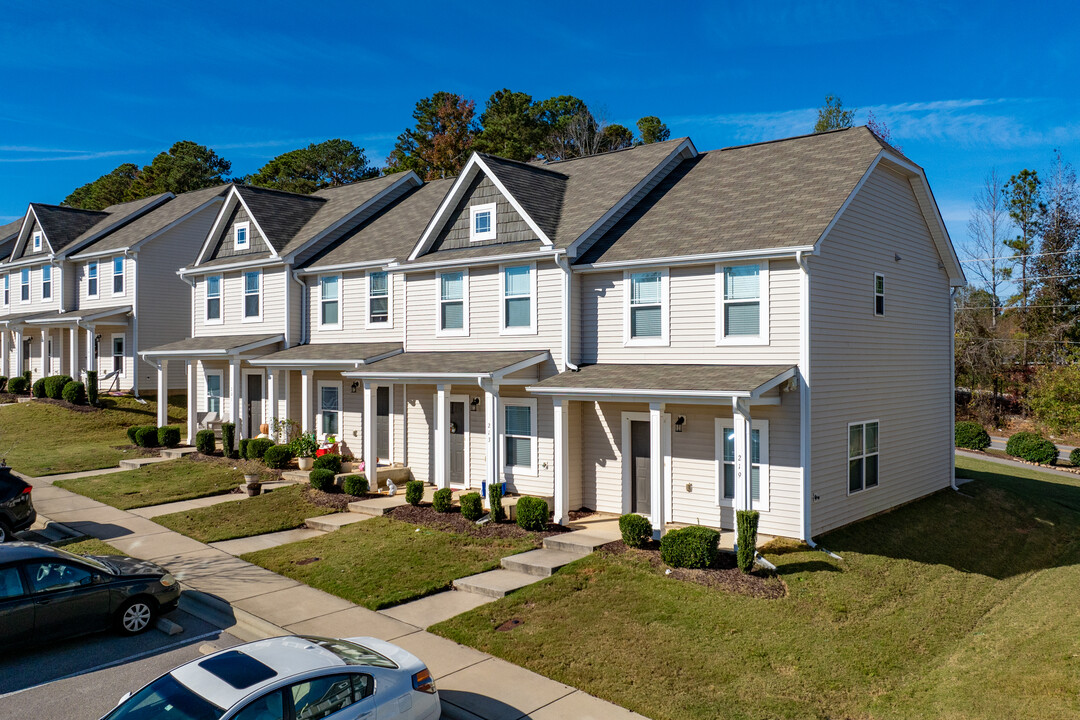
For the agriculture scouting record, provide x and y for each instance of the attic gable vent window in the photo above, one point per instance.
(241, 236)
(37, 242)
(482, 222)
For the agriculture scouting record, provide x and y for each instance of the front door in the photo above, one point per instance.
(457, 443)
(640, 468)
(254, 405)
(382, 423)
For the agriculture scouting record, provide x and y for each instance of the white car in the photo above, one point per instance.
(291, 678)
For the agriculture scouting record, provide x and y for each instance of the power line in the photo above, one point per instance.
(1018, 342)
(1006, 258)
(1013, 307)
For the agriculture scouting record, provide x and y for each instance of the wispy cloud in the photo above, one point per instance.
(38, 155)
(8, 218)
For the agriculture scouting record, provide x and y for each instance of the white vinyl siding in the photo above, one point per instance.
(355, 308)
(272, 304)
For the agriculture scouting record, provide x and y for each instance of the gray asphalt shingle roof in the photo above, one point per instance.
(218, 344)
(670, 378)
(332, 352)
(451, 363)
(66, 226)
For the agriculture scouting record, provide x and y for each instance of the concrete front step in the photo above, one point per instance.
(330, 523)
(136, 463)
(541, 563)
(579, 543)
(177, 452)
(495, 583)
(295, 476)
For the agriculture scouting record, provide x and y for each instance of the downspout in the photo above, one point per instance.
(563, 262)
(804, 392)
(303, 310)
(952, 396)
(135, 324)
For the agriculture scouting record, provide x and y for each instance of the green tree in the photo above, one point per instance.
(327, 164)
(186, 166)
(105, 191)
(833, 116)
(1023, 198)
(572, 131)
(652, 130)
(1056, 266)
(616, 137)
(512, 126)
(438, 145)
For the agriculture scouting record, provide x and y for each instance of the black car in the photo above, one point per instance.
(16, 506)
(48, 593)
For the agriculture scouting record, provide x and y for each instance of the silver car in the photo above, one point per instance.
(291, 678)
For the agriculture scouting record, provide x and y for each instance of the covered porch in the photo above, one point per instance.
(100, 339)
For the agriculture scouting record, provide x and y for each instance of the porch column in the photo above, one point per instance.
(369, 426)
(492, 408)
(740, 411)
(562, 464)
(234, 399)
(442, 437)
(73, 351)
(163, 392)
(46, 361)
(19, 369)
(271, 405)
(4, 353)
(90, 364)
(656, 467)
(307, 381)
(192, 402)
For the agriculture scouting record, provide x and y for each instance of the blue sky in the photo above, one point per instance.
(963, 86)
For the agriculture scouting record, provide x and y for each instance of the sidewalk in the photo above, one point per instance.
(472, 685)
(1015, 463)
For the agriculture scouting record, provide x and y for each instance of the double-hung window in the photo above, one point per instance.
(241, 236)
(646, 310)
(213, 299)
(482, 222)
(91, 279)
(213, 392)
(742, 312)
(379, 298)
(879, 294)
(24, 285)
(330, 408)
(118, 276)
(862, 456)
(453, 303)
(46, 282)
(330, 302)
(118, 354)
(759, 463)
(252, 295)
(519, 302)
(7, 289)
(519, 436)
(37, 242)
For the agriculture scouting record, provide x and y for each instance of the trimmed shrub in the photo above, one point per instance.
(414, 491)
(495, 502)
(168, 436)
(131, 433)
(1074, 457)
(228, 434)
(746, 522)
(17, 385)
(242, 452)
(257, 447)
(322, 479)
(355, 485)
(276, 457)
(636, 529)
(690, 547)
(146, 436)
(972, 435)
(472, 506)
(532, 513)
(1032, 447)
(329, 461)
(39, 388)
(443, 500)
(54, 386)
(75, 393)
(27, 374)
(91, 387)
(205, 442)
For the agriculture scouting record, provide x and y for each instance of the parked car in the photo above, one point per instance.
(48, 593)
(291, 678)
(16, 506)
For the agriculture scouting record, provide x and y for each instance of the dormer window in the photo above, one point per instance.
(482, 222)
(241, 236)
(37, 242)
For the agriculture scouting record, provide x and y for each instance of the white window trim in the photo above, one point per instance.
(464, 331)
(26, 280)
(243, 302)
(237, 227)
(511, 471)
(389, 324)
(319, 306)
(665, 309)
(113, 355)
(46, 283)
(848, 458)
(37, 242)
(7, 290)
(763, 305)
(123, 276)
(879, 294)
(340, 411)
(96, 277)
(473, 212)
(762, 426)
(531, 329)
(221, 300)
(220, 375)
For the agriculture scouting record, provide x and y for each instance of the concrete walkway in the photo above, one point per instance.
(1016, 464)
(471, 684)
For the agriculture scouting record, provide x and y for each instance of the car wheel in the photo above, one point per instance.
(5, 533)
(135, 616)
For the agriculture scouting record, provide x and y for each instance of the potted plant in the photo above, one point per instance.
(304, 448)
(252, 476)
(348, 464)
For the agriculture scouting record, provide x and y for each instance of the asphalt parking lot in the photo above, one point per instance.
(83, 678)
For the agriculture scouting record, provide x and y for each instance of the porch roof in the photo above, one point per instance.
(21, 319)
(212, 346)
(666, 381)
(88, 315)
(444, 366)
(337, 355)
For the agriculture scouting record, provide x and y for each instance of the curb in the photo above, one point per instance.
(217, 612)
(51, 527)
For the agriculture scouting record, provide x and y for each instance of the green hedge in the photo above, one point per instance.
(277, 457)
(329, 461)
(146, 436)
(91, 387)
(17, 385)
(355, 485)
(257, 447)
(38, 388)
(1074, 457)
(972, 436)
(636, 529)
(414, 492)
(228, 435)
(1032, 447)
(443, 500)
(532, 513)
(168, 436)
(322, 479)
(690, 547)
(495, 502)
(472, 506)
(746, 522)
(75, 393)
(54, 386)
(205, 442)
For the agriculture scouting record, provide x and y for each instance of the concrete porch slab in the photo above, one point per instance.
(495, 583)
(330, 523)
(293, 605)
(432, 609)
(239, 546)
(136, 463)
(354, 622)
(177, 452)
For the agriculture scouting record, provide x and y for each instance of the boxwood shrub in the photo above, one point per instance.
(355, 485)
(75, 393)
(636, 529)
(277, 457)
(205, 442)
(38, 388)
(414, 491)
(322, 479)
(1074, 457)
(690, 547)
(443, 500)
(146, 436)
(168, 436)
(257, 447)
(54, 386)
(329, 461)
(91, 387)
(495, 502)
(1032, 447)
(228, 435)
(532, 513)
(472, 506)
(972, 436)
(17, 385)
(746, 522)
(131, 433)
(242, 452)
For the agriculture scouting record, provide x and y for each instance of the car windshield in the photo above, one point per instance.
(165, 698)
(351, 653)
(92, 562)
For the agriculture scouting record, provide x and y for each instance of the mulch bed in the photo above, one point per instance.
(725, 576)
(337, 501)
(424, 514)
(6, 398)
(69, 406)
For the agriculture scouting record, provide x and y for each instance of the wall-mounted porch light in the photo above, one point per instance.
(474, 404)
(354, 386)
(679, 423)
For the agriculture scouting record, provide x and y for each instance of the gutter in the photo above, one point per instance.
(563, 262)
(952, 396)
(474, 261)
(304, 299)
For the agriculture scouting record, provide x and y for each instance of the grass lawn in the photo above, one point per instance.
(951, 607)
(91, 546)
(44, 439)
(282, 509)
(158, 483)
(382, 562)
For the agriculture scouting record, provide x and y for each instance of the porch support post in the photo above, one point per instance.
(370, 424)
(46, 361)
(307, 381)
(740, 411)
(562, 465)
(4, 352)
(656, 467)
(19, 369)
(163, 392)
(270, 407)
(192, 405)
(492, 408)
(442, 437)
(234, 400)
(91, 332)
(73, 352)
